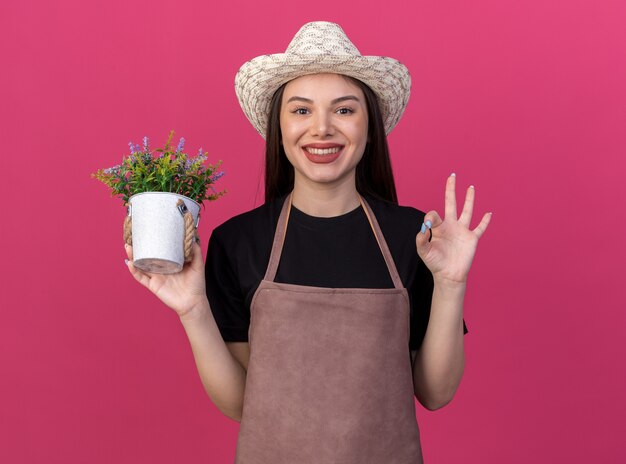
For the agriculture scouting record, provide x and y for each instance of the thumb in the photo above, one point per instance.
(197, 262)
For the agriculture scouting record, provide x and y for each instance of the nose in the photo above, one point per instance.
(322, 124)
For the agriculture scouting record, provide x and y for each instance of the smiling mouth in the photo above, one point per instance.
(323, 155)
(323, 151)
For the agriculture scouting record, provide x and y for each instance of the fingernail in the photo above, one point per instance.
(471, 186)
(453, 175)
(126, 261)
(429, 224)
(423, 230)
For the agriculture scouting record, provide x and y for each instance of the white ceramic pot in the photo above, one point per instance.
(158, 229)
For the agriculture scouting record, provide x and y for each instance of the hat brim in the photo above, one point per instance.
(258, 79)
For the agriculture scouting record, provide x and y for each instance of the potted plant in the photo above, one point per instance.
(162, 190)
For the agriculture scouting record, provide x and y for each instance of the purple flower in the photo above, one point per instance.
(181, 144)
(137, 148)
(200, 152)
(217, 175)
(145, 143)
(112, 170)
(132, 149)
(198, 160)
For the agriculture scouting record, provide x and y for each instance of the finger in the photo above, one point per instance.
(129, 251)
(480, 228)
(450, 208)
(422, 243)
(431, 220)
(468, 207)
(140, 276)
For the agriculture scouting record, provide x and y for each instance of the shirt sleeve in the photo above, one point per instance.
(224, 292)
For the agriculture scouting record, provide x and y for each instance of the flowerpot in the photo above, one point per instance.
(158, 231)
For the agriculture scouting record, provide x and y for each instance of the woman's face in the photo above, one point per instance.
(323, 120)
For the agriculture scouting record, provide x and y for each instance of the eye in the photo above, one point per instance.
(345, 110)
(300, 110)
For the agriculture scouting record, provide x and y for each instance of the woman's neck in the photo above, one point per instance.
(325, 200)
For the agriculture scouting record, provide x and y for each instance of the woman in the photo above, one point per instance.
(329, 308)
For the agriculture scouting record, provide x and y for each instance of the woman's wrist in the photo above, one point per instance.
(197, 310)
(449, 285)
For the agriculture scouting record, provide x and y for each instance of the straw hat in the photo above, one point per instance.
(321, 47)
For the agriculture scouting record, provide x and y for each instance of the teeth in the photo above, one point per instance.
(325, 151)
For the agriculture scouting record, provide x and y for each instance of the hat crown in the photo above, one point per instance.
(321, 38)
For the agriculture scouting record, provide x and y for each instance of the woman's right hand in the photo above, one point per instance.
(182, 291)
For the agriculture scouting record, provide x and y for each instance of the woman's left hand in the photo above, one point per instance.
(449, 253)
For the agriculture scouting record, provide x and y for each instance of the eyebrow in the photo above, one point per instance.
(335, 101)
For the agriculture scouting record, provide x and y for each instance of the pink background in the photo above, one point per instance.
(525, 100)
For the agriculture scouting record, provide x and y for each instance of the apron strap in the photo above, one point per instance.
(279, 238)
(281, 233)
(382, 243)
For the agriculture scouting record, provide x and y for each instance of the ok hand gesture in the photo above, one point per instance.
(450, 251)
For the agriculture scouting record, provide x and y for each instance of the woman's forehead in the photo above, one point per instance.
(322, 86)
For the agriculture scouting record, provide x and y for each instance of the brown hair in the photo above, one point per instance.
(374, 175)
